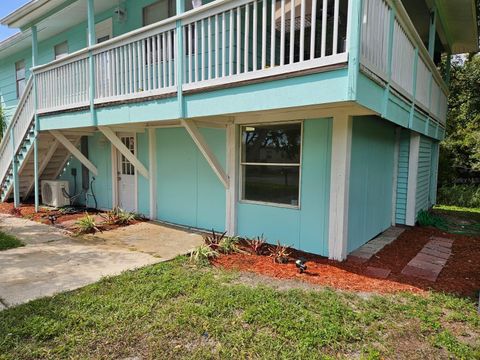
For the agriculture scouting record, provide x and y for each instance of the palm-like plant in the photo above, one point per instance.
(3, 122)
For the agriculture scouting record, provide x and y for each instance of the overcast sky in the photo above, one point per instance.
(6, 7)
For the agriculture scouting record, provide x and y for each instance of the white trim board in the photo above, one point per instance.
(339, 186)
(411, 215)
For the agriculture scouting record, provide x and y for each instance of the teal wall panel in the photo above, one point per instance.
(398, 111)
(143, 185)
(402, 177)
(305, 90)
(424, 174)
(99, 153)
(371, 179)
(305, 228)
(189, 193)
(73, 163)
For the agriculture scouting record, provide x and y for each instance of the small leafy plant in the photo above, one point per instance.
(229, 245)
(214, 239)
(257, 245)
(119, 216)
(280, 253)
(87, 225)
(426, 218)
(203, 254)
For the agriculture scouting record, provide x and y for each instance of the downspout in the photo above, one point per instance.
(91, 64)
(180, 8)
(35, 105)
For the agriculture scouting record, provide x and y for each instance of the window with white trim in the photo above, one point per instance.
(20, 77)
(271, 162)
(60, 50)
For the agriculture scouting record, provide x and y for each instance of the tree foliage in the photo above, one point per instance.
(460, 151)
(3, 122)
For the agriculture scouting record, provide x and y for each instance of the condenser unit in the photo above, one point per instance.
(52, 194)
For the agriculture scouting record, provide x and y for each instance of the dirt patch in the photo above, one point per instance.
(460, 275)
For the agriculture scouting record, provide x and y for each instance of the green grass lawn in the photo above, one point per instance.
(460, 220)
(8, 242)
(175, 310)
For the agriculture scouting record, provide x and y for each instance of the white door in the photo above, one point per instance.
(126, 175)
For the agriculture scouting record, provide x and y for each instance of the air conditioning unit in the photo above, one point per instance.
(52, 194)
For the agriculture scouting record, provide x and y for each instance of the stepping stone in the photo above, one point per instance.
(420, 273)
(356, 259)
(377, 272)
(438, 254)
(421, 256)
(429, 262)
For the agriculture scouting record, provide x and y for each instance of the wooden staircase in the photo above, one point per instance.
(52, 156)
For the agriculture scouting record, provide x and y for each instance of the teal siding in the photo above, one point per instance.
(305, 228)
(402, 179)
(99, 153)
(189, 193)
(434, 174)
(66, 174)
(371, 179)
(143, 184)
(424, 174)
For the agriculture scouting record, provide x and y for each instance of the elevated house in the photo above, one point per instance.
(313, 122)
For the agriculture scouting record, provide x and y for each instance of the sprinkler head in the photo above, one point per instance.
(301, 265)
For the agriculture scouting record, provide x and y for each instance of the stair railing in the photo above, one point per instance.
(20, 123)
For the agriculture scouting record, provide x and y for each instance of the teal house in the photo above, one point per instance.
(314, 122)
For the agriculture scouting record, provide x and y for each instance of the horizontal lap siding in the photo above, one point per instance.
(424, 174)
(402, 180)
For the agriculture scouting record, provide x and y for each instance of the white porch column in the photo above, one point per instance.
(232, 174)
(412, 178)
(339, 186)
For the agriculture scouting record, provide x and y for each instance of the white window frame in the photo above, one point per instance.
(19, 79)
(58, 56)
(241, 164)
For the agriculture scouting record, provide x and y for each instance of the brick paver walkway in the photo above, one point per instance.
(429, 262)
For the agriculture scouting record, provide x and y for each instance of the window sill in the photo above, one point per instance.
(264, 203)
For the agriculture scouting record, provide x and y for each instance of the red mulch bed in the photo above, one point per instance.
(63, 220)
(460, 276)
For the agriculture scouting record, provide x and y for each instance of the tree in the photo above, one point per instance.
(461, 148)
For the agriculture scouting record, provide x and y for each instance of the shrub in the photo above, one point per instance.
(459, 195)
(229, 244)
(257, 245)
(426, 218)
(214, 239)
(203, 254)
(87, 225)
(280, 253)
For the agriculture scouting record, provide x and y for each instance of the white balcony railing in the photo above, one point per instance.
(402, 59)
(222, 42)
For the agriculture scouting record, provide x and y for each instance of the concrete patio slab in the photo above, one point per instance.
(53, 262)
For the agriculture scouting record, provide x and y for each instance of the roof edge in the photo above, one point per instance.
(11, 19)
